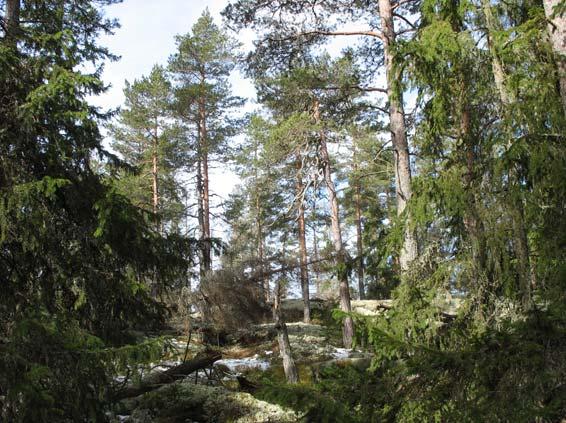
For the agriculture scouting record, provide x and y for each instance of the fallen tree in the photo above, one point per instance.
(155, 380)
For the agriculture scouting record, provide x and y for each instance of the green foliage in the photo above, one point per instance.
(316, 405)
(57, 371)
(149, 145)
(200, 69)
(467, 374)
(74, 253)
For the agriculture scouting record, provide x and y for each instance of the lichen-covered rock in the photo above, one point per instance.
(185, 401)
(371, 307)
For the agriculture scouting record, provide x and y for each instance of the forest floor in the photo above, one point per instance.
(249, 355)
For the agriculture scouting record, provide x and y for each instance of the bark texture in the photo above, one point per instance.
(289, 366)
(155, 175)
(359, 231)
(263, 280)
(12, 19)
(472, 222)
(409, 249)
(340, 255)
(154, 381)
(557, 32)
(204, 193)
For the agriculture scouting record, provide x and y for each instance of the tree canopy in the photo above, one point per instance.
(419, 171)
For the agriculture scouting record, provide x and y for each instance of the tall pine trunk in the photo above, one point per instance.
(302, 241)
(472, 222)
(263, 280)
(316, 264)
(359, 230)
(12, 20)
(402, 164)
(204, 193)
(359, 241)
(557, 32)
(340, 254)
(155, 175)
(200, 216)
(155, 194)
(155, 197)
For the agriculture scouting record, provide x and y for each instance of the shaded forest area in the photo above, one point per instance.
(420, 170)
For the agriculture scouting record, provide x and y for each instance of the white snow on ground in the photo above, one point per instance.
(241, 364)
(341, 353)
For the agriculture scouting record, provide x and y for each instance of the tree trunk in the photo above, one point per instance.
(302, 242)
(155, 291)
(289, 366)
(402, 164)
(359, 243)
(340, 256)
(154, 175)
(557, 32)
(359, 240)
(155, 380)
(472, 221)
(12, 20)
(206, 209)
(263, 280)
(200, 215)
(315, 267)
(204, 193)
(522, 251)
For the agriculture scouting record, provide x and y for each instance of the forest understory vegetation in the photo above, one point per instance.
(393, 251)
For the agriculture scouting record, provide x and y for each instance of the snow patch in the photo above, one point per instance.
(341, 353)
(242, 364)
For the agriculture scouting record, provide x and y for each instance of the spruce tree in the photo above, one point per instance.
(74, 253)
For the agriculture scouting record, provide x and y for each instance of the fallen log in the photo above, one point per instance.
(155, 380)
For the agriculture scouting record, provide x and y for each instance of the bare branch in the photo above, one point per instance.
(404, 19)
(369, 33)
(356, 87)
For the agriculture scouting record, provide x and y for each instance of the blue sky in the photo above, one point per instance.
(147, 37)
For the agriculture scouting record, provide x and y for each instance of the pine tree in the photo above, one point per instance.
(302, 133)
(206, 56)
(145, 137)
(257, 210)
(367, 171)
(285, 37)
